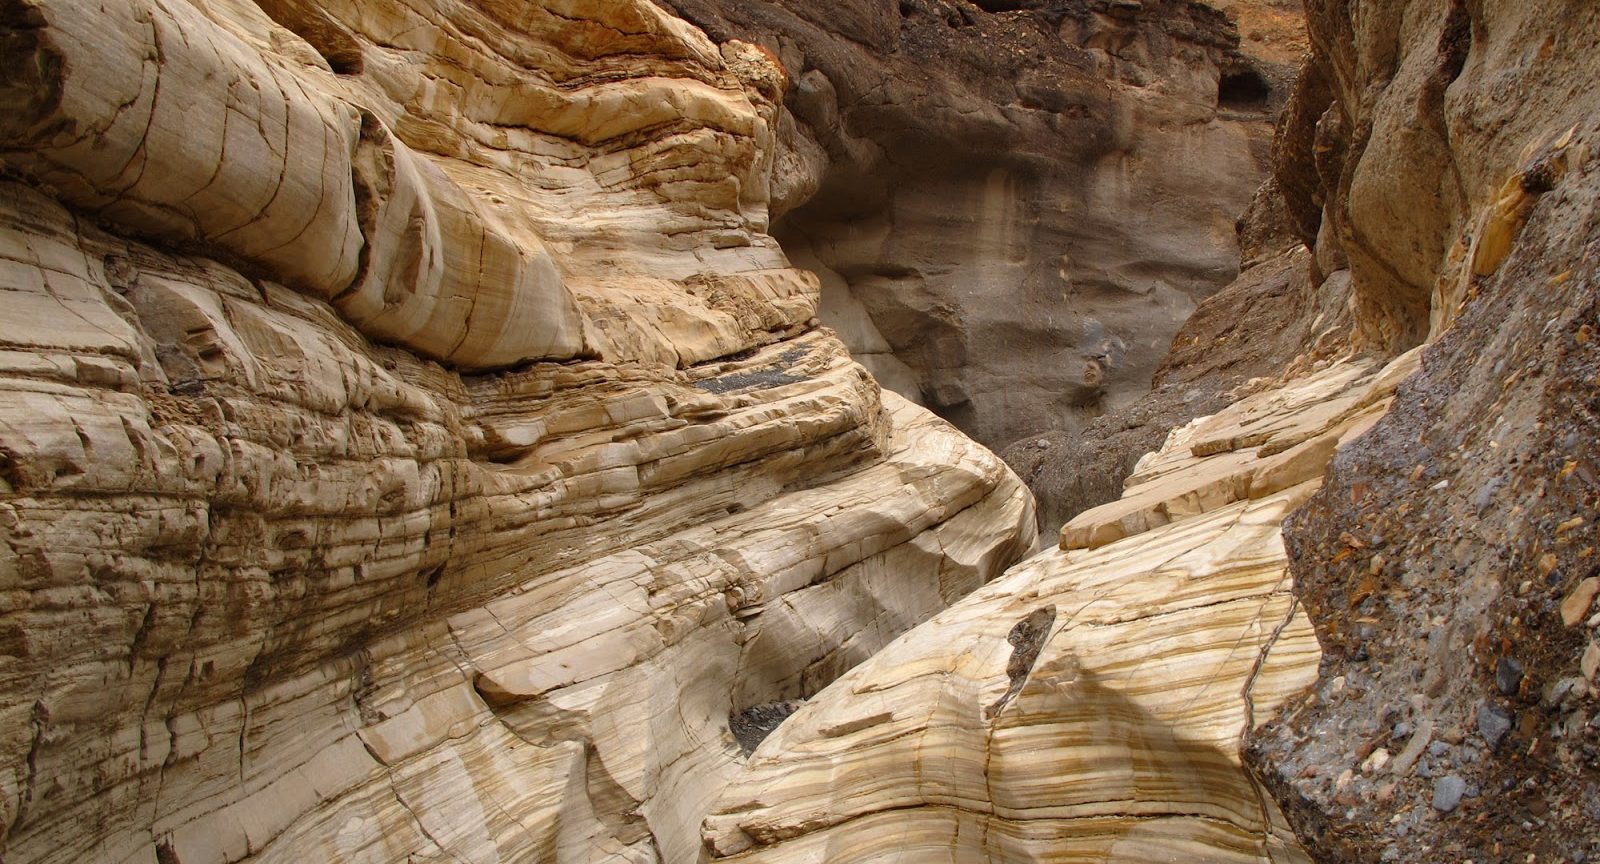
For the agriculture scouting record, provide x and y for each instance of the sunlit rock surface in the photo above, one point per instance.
(1089, 705)
(412, 446)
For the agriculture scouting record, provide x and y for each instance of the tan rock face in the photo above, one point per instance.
(432, 197)
(411, 444)
(1090, 704)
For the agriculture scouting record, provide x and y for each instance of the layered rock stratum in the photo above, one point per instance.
(1089, 705)
(413, 446)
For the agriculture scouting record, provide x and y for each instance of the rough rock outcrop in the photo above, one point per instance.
(412, 446)
(1443, 155)
(1014, 205)
(1090, 704)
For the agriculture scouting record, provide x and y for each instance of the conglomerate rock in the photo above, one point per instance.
(412, 446)
(1446, 153)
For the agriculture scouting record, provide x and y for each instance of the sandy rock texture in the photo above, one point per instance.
(1089, 704)
(1441, 157)
(1014, 205)
(412, 444)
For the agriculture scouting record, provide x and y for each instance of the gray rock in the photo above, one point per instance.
(1559, 690)
(1447, 792)
(1493, 722)
(1508, 675)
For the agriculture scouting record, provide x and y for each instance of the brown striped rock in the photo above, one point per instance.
(412, 444)
(275, 593)
(1089, 705)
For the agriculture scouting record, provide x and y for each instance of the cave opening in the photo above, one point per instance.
(1243, 89)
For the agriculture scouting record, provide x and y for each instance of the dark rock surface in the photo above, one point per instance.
(1014, 205)
(1252, 329)
(752, 726)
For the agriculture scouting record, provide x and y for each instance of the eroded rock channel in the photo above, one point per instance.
(555, 431)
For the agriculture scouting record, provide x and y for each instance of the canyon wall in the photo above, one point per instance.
(1437, 162)
(412, 443)
(415, 442)
(1441, 157)
(1088, 705)
(1014, 205)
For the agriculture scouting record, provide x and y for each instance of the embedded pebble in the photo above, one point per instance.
(1576, 606)
(1562, 689)
(1508, 675)
(1376, 761)
(1493, 722)
(1447, 792)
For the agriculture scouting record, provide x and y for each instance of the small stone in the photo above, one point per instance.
(1591, 661)
(1508, 675)
(1042, 444)
(1559, 690)
(1493, 722)
(1576, 607)
(1376, 761)
(1438, 748)
(1447, 792)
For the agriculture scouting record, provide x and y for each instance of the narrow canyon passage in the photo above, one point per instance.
(567, 431)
